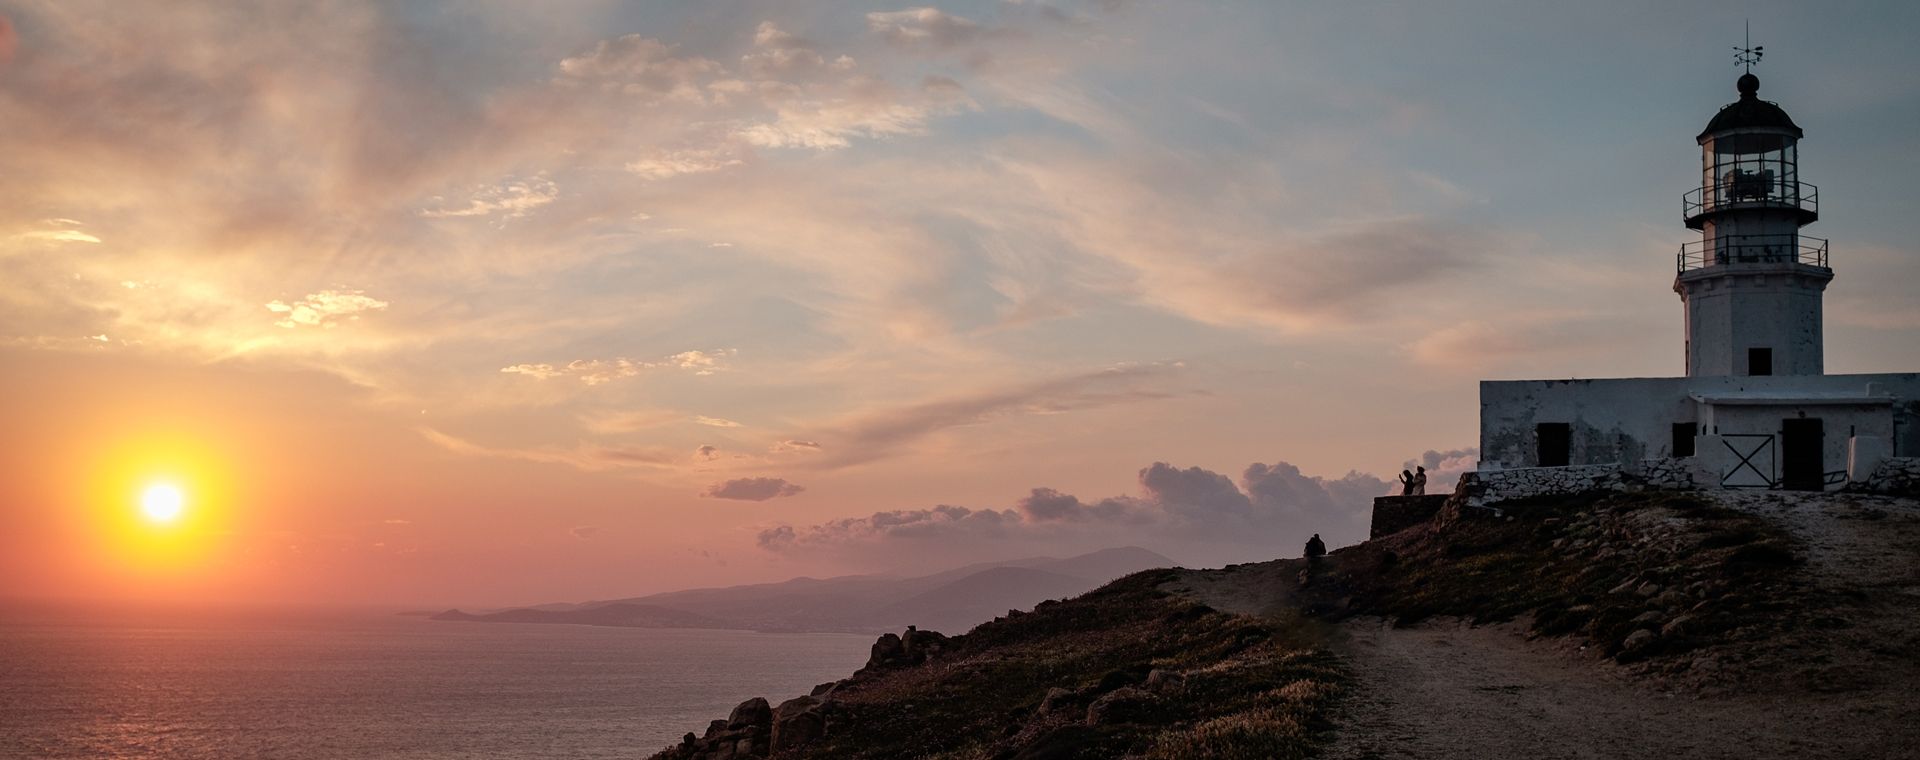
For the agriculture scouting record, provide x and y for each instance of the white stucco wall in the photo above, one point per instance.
(1630, 419)
(1840, 423)
(1733, 307)
(1620, 420)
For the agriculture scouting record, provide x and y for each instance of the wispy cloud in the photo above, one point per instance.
(752, 489)
(59, 236)
(925, 25)
(584, 457)
(601, 371)
(888, 432)
(510, 199)
(617, 422)
(327, 308)
(636, 65)
(673, 163)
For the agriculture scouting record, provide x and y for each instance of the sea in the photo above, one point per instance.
(332, 684)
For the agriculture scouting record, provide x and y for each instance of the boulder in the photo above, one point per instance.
(1165, 681)
(1127, 704)
(920, 646)
(913, 648)
(886, 651)
(798, 728)
(1638, 641)
(795, 705)
(753, 712)
(1055, 699)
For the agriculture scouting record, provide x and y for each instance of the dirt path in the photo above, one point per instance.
(1447, 690)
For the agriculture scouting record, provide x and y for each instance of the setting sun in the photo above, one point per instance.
(162, 502)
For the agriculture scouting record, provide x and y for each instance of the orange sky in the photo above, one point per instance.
(466, 303)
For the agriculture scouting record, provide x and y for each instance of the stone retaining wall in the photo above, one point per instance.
(1669, 474)
(1489, 487)
(1392, 514)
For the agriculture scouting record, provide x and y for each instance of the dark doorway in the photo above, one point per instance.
(1556, 443)
(1801, 466)
(1682, 439)
(1759, 361)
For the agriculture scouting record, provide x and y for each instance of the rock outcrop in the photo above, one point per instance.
(914, 647)
(756, 729)
(746, 733)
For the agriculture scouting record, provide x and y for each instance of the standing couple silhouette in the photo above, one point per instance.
(1413, 483)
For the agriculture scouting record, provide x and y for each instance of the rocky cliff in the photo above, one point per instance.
(1809, 600)
(1128, 669)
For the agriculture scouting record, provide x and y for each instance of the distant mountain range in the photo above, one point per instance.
(952, 601)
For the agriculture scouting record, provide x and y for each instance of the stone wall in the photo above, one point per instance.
(1489, 487)
(1896, 476)
(1392, 514)
(1668, 474)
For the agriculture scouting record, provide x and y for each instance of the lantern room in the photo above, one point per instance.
(1749, 160)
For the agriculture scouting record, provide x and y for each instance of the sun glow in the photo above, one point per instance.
(162, 502)
(161, 509)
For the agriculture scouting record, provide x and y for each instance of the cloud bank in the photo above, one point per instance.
(1199, 514)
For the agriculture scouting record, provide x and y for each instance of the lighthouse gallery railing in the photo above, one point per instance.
(1752, 249)
(1751, 190)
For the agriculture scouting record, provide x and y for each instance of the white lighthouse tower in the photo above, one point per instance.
(1752, 284)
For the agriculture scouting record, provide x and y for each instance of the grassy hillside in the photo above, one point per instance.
(1640, 576)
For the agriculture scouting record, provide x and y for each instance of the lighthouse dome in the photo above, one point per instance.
(1750, 112)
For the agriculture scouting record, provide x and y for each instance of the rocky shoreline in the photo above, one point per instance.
(756, 729)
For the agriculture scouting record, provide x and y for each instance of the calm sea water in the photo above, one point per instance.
(380, 686)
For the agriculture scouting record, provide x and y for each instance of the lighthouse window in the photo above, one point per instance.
(1759, 361)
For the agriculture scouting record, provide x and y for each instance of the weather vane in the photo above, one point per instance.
(1750, 54)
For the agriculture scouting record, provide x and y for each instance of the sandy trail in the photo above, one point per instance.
(1448, 690)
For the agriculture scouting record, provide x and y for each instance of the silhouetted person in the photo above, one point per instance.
(1420, 482)
(1406, 483)
(1316, 548)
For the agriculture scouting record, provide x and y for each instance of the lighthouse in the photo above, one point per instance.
(1751, 285)
(1756, 407)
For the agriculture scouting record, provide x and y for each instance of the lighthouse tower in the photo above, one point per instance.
(1752, 284)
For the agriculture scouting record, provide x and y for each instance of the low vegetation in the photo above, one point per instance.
(1127, 670)
(1141, 668)
(1645, 577)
